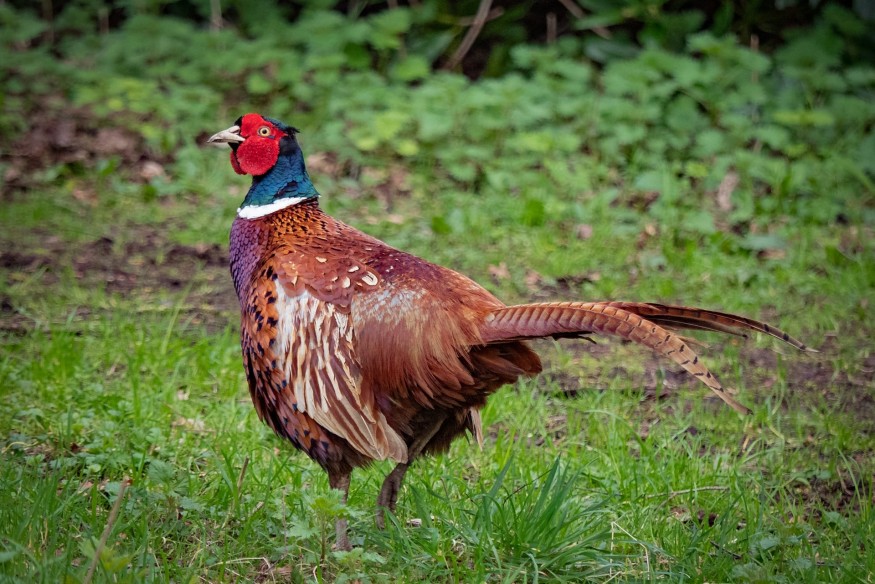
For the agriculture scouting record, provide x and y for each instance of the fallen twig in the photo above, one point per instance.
(672, 494)
(578, 13)
(470, 36)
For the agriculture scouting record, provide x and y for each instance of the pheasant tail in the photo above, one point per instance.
(683, 317)
(646, 324)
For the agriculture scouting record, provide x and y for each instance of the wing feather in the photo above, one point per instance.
(317, 355)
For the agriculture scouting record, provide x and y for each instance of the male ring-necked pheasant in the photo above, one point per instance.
(356, 351)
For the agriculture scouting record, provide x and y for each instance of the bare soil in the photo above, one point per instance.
(76, 139)
(137, 266)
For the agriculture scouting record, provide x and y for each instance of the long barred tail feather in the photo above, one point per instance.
(683, 317)
(646, 324)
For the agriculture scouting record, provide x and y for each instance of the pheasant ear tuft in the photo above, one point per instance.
(283, 127)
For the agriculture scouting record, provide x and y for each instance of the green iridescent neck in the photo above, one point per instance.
(288, 179)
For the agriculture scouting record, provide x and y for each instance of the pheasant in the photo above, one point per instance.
(356, 352)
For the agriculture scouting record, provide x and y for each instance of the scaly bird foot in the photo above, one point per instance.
(389, 493)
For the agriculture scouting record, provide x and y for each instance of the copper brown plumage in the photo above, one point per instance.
(356, 351)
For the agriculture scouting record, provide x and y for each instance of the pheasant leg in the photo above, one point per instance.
(392, 484)
(389, 493)
(340, 481)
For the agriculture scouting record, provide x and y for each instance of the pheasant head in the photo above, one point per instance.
(267, 149)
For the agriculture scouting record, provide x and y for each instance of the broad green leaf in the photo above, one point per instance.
(411, 68)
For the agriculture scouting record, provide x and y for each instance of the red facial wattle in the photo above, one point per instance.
(258, 153)
(236, 165)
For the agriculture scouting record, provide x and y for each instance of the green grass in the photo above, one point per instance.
(104, 381)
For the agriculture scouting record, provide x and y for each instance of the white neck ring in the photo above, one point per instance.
(256, 211)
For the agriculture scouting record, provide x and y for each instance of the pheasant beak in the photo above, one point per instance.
(228, 136)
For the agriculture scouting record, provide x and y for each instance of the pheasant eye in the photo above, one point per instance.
(264, 131)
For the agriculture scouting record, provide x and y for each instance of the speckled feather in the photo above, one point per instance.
(406, 330)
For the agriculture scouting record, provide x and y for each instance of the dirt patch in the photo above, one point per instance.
(142, 264)
(851, 388)
(13, 260)
(10, 319)
(839, 494)
(268, 572)
(560, 289)
(147, 263)
(76, 138)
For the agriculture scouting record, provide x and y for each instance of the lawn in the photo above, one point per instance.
(125, 422)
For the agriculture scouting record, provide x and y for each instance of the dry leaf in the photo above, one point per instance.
(584, 231)
(150, 169)
(725, 190)
(532, 280)
(499, 272)
(772, 254)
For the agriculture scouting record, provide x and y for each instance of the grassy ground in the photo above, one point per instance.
(721, 174)
(120, 362)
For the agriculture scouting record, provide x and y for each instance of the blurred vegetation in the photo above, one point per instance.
(641, 96)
